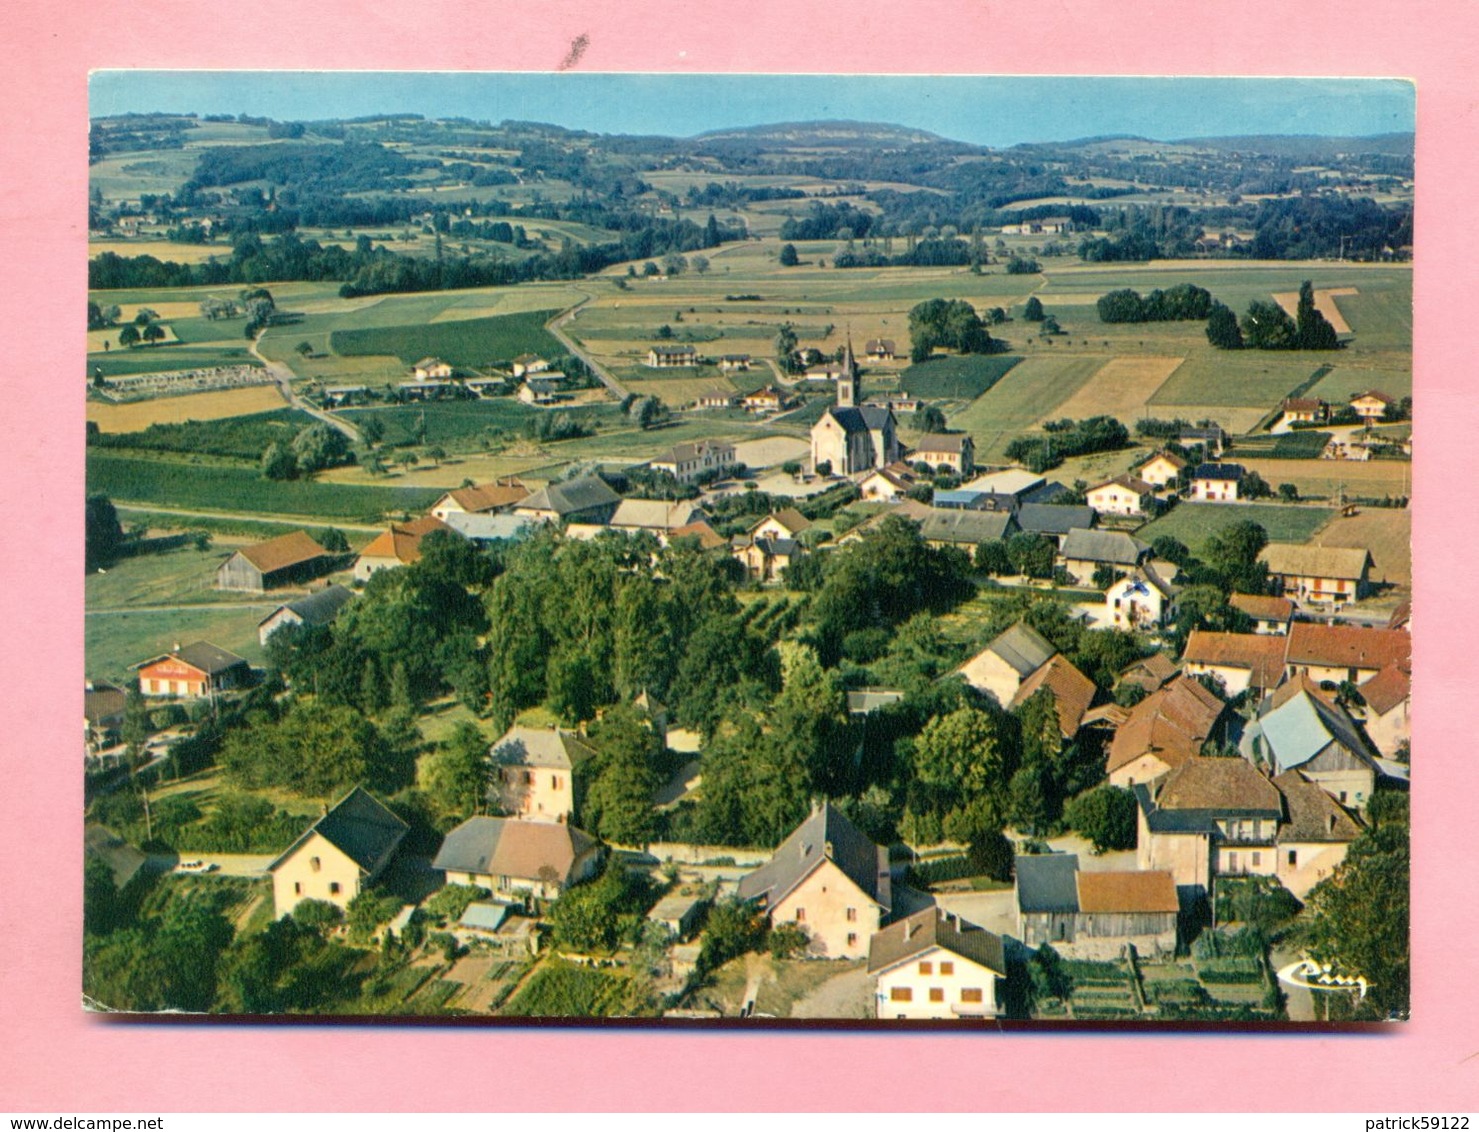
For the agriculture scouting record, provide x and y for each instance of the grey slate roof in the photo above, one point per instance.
(826, 834)
(861, 418)
(209, 658)
(322, 607)
(512, 848)
(931, 928)
(1114, 547)
(540, 746)
(1218, 472)
(1024, 648)
(1303, 726)
(1047, 883)
(966, 526)
(358, 826)
(122, 859)
(1051, 519)
(584, 494)
(487, 528)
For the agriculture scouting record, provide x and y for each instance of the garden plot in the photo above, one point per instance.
(1122, 389)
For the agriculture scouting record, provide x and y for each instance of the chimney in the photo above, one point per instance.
(908, 930)
(176, 648)
(1330, 819)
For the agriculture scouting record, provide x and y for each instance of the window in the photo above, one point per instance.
(556, 782)
(901, 994)
(801, 915)
(314, 863)
(926, 968)
(970, 994)
(297, 889)
(852, 915)
(947, 968)
(333, 888)
(1232, 861)
(937, 994)
(1257, 860)
(852, 939)
(1293, 857)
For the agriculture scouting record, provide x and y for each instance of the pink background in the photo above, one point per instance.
(54, 1058)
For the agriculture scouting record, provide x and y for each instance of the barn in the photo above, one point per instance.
(289, 559)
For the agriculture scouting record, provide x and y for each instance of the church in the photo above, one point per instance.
(852, 437)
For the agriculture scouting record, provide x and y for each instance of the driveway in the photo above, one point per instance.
(848, 995)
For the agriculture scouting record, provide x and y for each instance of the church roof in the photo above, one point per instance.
(861, 418)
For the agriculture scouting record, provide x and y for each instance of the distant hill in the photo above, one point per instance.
(1309, 146)
(825, 133)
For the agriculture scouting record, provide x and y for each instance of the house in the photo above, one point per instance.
(518, 859)
(769, 399)
(547, 389)
(1123, 495)
(1018, 482)
(1094, 915)
(1206, 817)
(879, 350)
(1270, 615)
(734, 363)
(1242, 661)
(1150, 674)
(425, 390)
(1326, 575)
(672, 357)
(199, 669)
(865, 701)
(828, 879)
(289, 559)
(1314, 835)
(338, 856)
(655, 515)
(1372, 405)
(1301, 410)
(1336, 653)
(336, 395)
(481, 499)
(1210, 436)
(934, 965)
(1162, 470)
(486, 388)
(1053, 521)
(1216, 483)
(1006, 663)
(1142, 599)
(716, 399)
(1084, 551)
(431, 369)
(909, 510)
(851, 437)
(1163, 731)
(708, 538)
(1071, 690)
(103, 705)
(884, 485)
(953, 450)
(585, 500)
(679, 913)
(1299, 729)
(766, 559)
(785, 523)
(969, 499)
(966, 529)
(538, 773)
(398, 546)
(687, 462)
(1387, 708)
(319, 608)
(526, 364)
(487, 529)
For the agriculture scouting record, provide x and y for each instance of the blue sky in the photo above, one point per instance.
(984, 110)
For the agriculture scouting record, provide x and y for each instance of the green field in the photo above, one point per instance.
(451, 422)
(1251, 378)
(958, 378)
(1029, 392)
(201, 487)
(114, 641)
(164, 359)
(1194, 523)
(465, 342)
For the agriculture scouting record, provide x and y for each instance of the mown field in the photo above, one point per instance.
(1367, 479)
(1194, 523)
(462, 422)
(957, 378)
(1027, 394)
(466, 342)
(222, 404)
(1386, 533)
(163, 359)
(205, 487)
(114, 641)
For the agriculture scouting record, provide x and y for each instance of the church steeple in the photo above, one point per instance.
(848, 393)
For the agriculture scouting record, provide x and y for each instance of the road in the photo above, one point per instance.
(554, 326)
(237, 516)
(284, 378)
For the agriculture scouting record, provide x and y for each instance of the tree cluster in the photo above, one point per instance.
(951, 323)
(1067, 438)
(1185, 301)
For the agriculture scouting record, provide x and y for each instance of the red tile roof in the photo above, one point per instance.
(403, 540)
(1071, 688)
(1347, 646)
(1387, 688)
(1127, 892)
(291, 549)
(1171, 724)
(1261, 654)
(1263, 608)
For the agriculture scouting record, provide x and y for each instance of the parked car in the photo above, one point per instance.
(196, 866)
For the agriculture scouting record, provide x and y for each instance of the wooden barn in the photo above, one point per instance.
(289, 559)
(1093, 915)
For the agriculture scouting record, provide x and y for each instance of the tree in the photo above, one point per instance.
(319, 446)
(1033, 311)
(618, 804)
(788, 255)
(929, 418)
(1050, 325)
(962, 754)
(1313, 328)
(372, 429)
(1267, 327)
(700, 264)
(1031, 554)
(304, 349)
(278, 462)
(128, 336)
(1106, 815)
(460, 773)
(1222, 328)
(785, 346)
(1289, 493)
(103, 538)
(333, 540)
(153, 333)
(1233, 552)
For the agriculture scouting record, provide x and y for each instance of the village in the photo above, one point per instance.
(790, 610)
